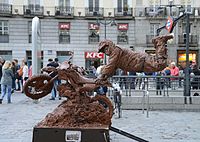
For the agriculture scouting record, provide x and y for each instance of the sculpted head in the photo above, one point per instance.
(106, 46)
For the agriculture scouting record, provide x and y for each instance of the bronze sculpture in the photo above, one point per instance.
(129, 60)
(79, 110)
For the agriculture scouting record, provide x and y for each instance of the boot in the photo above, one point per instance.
(161, 40)
(1, 101)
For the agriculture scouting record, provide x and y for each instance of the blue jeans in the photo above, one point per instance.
(54, 89)
(4, 89)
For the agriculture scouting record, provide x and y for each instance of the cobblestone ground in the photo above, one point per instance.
(18, 119)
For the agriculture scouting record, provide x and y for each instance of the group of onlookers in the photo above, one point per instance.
(12, 77)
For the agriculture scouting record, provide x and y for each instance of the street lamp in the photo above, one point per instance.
(106, 21)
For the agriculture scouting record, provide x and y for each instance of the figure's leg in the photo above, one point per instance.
(159, 61)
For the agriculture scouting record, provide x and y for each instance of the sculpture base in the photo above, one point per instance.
(71, 135)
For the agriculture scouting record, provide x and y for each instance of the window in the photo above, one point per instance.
(29, 32)
(34, 5)
(64, 3)
(64, 6)
(93, 33)
(122, 5)
(122, 37)
(29, 58)
(64, 32)
(4, 33)
(93, 5)
(153, 28)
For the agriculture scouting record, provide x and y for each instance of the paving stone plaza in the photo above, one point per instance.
(18, 119)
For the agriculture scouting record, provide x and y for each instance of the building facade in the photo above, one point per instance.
(76, 26)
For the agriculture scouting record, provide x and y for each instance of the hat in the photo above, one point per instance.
(103, 44)
(173, 63)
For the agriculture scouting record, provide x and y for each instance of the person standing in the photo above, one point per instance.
(25, 72)
(18, 75)
(6, 81)
(174, 70)
(54, 89)
(1, 64)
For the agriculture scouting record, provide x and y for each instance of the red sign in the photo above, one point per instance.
(169, 24)
(64, 26)
(93, 26)
(122, 26)
(93, 55)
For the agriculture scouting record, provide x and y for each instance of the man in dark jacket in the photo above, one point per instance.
(129, 60)
(54, 89)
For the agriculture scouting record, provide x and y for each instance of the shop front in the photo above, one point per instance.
(181, 57)
(93, 59)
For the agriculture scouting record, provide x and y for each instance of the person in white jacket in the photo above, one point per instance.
(25, 72)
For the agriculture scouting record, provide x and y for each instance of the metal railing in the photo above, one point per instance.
(32, 10)
(64, 11)
(94, 12)
(155, 85)
(155, 12)
(123, 11)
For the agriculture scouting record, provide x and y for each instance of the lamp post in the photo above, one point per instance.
(187, 71)
(105, 22)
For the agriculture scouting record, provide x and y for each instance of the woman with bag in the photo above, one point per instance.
(6, 81)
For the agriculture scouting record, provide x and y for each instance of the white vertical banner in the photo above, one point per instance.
(36, 46)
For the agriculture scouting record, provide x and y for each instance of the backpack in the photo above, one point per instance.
(20, 71)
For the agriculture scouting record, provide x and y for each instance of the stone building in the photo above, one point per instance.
(78, 25)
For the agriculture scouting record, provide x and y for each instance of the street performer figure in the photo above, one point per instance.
(129, 60)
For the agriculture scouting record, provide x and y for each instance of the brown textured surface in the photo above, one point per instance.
(79, 110)
(71, 114)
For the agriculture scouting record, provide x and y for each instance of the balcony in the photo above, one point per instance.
(149, 40)
(5, 9)
(123, 13)
(64, 12)
(139, 12)
(193, 40)
(94, 12)
(33, 10)
(156, 12)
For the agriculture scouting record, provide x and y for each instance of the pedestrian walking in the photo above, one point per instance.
(6, 81)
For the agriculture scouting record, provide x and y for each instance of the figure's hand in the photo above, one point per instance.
(101, 80)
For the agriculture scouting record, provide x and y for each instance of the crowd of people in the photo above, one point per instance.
(171, 77)
(12, 77)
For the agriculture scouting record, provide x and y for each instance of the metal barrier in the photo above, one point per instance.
(155, 85)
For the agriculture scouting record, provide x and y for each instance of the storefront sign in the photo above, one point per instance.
(64, 26)
(182, 57)
(93, 26)
(93, 55)
(122, 26)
